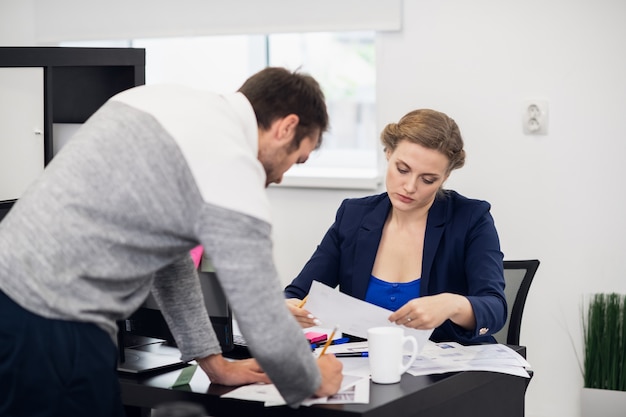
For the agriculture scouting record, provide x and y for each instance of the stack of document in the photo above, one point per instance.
(439, 358)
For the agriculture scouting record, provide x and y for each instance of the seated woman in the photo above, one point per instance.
(432, 256)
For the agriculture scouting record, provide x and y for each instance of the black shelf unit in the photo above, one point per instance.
(77, 81)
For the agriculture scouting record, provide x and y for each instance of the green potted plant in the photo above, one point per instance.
(604, 363)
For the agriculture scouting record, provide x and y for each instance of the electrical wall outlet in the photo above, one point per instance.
(535, 117)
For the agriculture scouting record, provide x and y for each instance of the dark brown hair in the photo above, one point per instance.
(276, 92)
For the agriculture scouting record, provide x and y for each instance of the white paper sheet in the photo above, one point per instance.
(354, 389)
(357, 392)
(256, 392)
(438, 358)
(353, 316)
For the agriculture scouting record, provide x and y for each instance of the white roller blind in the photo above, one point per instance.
(63, 20)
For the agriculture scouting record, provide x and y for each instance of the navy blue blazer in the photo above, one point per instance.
(461, 255)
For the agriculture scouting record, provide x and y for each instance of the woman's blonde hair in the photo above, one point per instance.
(430, 129)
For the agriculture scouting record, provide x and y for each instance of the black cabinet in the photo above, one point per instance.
(75, 82)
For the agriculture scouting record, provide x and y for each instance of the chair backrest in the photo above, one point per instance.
(518, 275)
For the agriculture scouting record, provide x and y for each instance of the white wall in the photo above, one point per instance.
(555, 198)
(301, 217)
(17, 23)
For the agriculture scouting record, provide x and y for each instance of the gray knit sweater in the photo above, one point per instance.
(156, 171)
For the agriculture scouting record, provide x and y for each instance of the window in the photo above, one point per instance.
(343, 63)
(216, 63)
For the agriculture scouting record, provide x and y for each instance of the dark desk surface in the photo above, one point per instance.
(464, 394)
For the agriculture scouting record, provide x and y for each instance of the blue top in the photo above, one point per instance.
(461, 255)
(391, 295)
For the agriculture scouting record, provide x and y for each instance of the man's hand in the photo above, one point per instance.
(330, 368)
(240, 372)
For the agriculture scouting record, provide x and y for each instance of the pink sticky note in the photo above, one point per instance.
(196, 255)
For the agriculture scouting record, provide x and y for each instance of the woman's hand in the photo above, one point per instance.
(304, 317)
(225, 372)
(431, 311)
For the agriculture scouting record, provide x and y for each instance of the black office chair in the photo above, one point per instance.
(518, 275)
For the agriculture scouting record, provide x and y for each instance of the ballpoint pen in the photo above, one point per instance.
(352, 355)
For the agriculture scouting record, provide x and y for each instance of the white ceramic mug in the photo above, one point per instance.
(386, 353)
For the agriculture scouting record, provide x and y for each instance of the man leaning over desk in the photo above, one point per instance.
(153, 173)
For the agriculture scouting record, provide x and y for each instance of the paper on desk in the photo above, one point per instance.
(354, 389)
(351, 347)
(353, 316)
(256, 392)
(357, 392)
(359, 367)
(438, 358)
